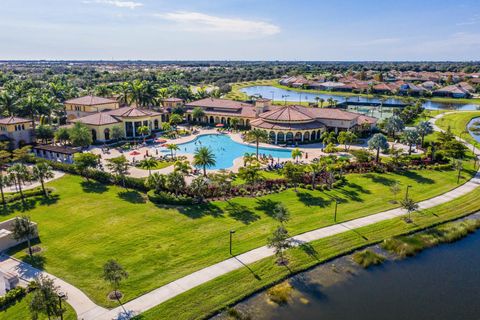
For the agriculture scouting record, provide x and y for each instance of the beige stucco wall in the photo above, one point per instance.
(6, 240)
(95, 108)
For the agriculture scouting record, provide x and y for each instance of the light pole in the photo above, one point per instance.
(406, 192)
(231, 234)
(335, 213)
(61, 296)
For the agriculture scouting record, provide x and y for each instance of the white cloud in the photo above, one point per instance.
(196, 21)
(117, 3)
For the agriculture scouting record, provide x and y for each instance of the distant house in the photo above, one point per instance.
(409, 88)
(83, 106)
(454, 91)
(335, 86)
(429, 85)
(55, 153)
(172, 103)
(17, 131)
(384, 88)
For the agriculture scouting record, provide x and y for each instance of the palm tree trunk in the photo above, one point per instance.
(43, 188)
(21, 191)
(257, 149)
(29, 247)
(378, 155)
(3, 197)
(205, 170)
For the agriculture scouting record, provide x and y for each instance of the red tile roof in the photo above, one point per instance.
(13, 120)
(288, 113)
(90, 101)
(112, 116)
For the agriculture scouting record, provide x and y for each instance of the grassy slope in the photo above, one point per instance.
(91, 223)
(19, 311)
(202, 301)
(458, 123)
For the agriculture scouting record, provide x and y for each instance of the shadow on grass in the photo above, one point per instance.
(416, 177)
(267, 206)
(198, 211)
(132, 196)
(307, 248)
(241, 212)
(378, 178)
(91, 186)
(30, 203)
(37, 260)
(309, 200)
(256, 276)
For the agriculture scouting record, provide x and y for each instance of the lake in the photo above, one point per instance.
(295, 96)
(440, 283)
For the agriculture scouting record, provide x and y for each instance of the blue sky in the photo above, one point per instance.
(240, 29)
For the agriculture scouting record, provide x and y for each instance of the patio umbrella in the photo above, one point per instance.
(219, 125)
(134, 153)
(160, 140)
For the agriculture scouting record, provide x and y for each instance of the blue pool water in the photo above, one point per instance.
(226, 150)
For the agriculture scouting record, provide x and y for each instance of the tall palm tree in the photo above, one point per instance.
(205, 158)
(31, 106)
(24, 229)
(5, 181)
(144, 131)
(314, 168)
(8, 103)
(424, 128)
(321, 102)
(257, 136)
(41, 172)
(172, 147)
(296, 153)
(182, 167)
(19, 174)
(378, 142)
(124, 93)
(198, 114)
(148, 163)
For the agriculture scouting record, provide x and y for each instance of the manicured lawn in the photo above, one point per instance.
(90, 223)
(20, 311)
(232, 287)
(160, 165)
(458, 123)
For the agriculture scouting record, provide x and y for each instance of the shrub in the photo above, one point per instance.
(367, 258)
(164, 197)
(330, 148)
(12, 296)
(11, 197)
(280, 293)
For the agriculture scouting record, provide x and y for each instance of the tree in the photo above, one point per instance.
(328, 138)
(41, 172)
(378, 142)
(148, 164)
(5, 181)
(143, 131)
(24, 230)
(234, 123)
(394, 124)
(395, 189)
(45, 298)
(410, 206)
(114, 273)
(117, 133)
(410, 137)
(172, 147)
(296, 153)
(44, 133)
(257, 136)
(156, 181)
(8, 103)
(279, 241)
(31, 105)
(182, 166)
(205, 158)
(314, 168)
(80, 135)
(424, 128)
(199, 187)
(166, 126)
(198, 114)
(322, 101)
(62, 135)
(293, 173)
(249, 158)
(22, 154)
(251, 173)
(119, 167)
(281, 213)
(176, 182)
(346, 138)
(84, 161)
(19, 173)
(175, 120)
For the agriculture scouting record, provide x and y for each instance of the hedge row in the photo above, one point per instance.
(11, 197)
(12, 296)
(164, 197)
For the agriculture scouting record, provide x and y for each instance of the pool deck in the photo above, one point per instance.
(311, 151)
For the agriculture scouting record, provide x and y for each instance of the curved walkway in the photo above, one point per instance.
(31, 185)
(88, 310)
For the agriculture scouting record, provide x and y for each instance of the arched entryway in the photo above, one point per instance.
(211, 120)
(280, 137)
(312, 136)
(155, 124)
(306, 136)
(106, 133)
(289, 137)
(272, 137)
(298, 137)
(94, 135)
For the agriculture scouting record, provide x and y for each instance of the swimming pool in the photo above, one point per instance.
(226, 150)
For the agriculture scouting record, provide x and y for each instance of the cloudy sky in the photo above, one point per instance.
(240, 29)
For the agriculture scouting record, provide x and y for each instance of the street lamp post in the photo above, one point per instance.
(61, 296)
(231, 235)
(335, 213)
(406, 192)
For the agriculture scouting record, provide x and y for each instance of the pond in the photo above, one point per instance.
(440, 283)
(226, 150)
(474, 128)
(291, 95)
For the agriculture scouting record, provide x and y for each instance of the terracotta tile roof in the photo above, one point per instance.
(262, 124)
(112, 116)
(13, 120)
(132, 112)
(90, 101)
(288, 113)
(173, 99)
(97, 119)
(218, 103)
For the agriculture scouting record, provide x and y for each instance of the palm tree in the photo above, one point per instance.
(199, 187)
(8, 103)
(31, 105)
(124, 93)
(410, 137)
(394, 124)
(198, 114)
(176, 182)
(410, 206)
(204, 157)
(257, 136)
(234, 122)
(114, 273)
(18, 174)
(175, 120)
(296, 153)
(41, 172)
(172, 147)
(424, 128)
(315, 167)
(378, 142)
(4, 182)
(149, 164)
(182, 167)
(144, 131)
(24, 229)
(321, 102)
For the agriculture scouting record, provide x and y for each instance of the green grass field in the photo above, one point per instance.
(90, 223)
(232, 287)
(458, 123)
(160, 165)
(19, 311)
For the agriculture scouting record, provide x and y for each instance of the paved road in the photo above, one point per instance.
(88, 310)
